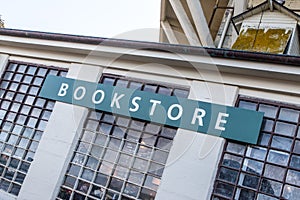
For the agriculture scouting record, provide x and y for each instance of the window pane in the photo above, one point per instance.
(150, 88)
(108, 81)
(144, 152)
(121, 121)
(278, 157)
(224, 189)
(235, 148)
(147, 194)
(122, 83)
(74, 170)
(271, 187)
(253, 166)
(295, 162)
(153, 128)
(165, 91)
(121, 172)
(249, 181)
(136, 177)
(160, 156)
(274, 172)
(131, 190)
(282, 143)
(297, 147)
(270, 111)
(152, 182)
(117, 156)
(245, 194)
(168, 132)
(293, 177)
(264, 139)
(291, 192)
(247, 105)
(265, 197)
(256, 152)
(164, 143)
(125, 160)
(101, 179)
(135, 85)
(97, 192)
(271, 169)
(232, 161)
(70, 181)
(87, 174)
(267, 125)
(228, 175)
(116, 184)
(285, 129)
(289, 115)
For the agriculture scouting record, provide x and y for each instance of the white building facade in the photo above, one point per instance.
(56, 150)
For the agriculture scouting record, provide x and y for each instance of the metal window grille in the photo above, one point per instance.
(23, 118)
(269, 170)
(119, 157)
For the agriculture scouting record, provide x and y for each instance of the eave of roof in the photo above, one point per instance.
(152, 46)
(263, 7)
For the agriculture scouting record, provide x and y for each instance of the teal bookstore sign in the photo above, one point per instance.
(224, 121)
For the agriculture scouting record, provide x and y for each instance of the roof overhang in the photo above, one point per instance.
(59, 47)
(263, 7)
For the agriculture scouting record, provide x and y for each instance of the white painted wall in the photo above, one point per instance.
(192, 163)
(3, 62)
(193, 159)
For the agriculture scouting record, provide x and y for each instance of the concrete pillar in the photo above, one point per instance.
(3, 62)
(200, 23)
(185, 23)
(193, 160)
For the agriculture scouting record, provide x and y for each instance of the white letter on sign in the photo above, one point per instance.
(82, 93)
(220, 120)
(63, 90)
(136, 105)
(180, 110)
(100, 99)
(154, 103)
(198, 114)
(116, 99)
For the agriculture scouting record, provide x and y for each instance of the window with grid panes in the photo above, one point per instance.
(23, 118)
(119, 157)
(269, 170)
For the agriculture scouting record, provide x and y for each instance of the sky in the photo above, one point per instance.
(129, 19)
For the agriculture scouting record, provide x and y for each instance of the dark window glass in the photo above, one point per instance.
(20, 119)
(269, 170)
(118, 157)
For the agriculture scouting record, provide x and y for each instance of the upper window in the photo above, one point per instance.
(268, 28)
(23, 118)
(119, 157)
(273, 40)
(269, 170)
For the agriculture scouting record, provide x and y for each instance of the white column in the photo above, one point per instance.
(3, 62)
(56, 147)
(169, 32)
(193, 160)
(185, 23)
(200, 23)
